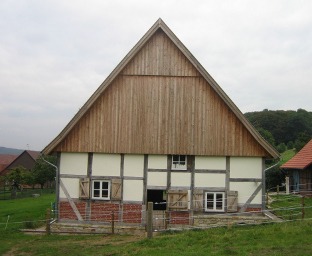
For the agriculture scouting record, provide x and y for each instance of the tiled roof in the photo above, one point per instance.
(33, 154)
(302, 159)
(5, 160)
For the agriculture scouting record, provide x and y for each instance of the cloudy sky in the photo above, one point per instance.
(54, 54)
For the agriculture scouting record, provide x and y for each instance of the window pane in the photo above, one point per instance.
(182, 159)
(219, 201)
(104, 185)
(96, 185)
(175, 158)
(209, 201)
(96, 193)
(104, 193)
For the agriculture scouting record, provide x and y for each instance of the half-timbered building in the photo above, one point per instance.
(159, 129)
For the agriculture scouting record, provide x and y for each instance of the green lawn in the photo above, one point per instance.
(292, 238)
(272, 239)
(17, 213)
(289, 207)
(287, 155)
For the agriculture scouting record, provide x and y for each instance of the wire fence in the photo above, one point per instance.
(283, 207)
(8, 193)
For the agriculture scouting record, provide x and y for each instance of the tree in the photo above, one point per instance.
(43, 172)
(267, 135)
(281, 147)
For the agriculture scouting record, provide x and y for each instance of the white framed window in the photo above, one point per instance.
(101, 189)
(214, 201)
(179, 162)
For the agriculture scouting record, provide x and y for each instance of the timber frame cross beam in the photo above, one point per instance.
(245, 206)
(71, 202)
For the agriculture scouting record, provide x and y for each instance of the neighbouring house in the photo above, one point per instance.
(159, 129)
(299, 170)
(5, 160)
(26, 159)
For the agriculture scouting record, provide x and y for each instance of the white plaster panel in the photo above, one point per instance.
(133, 190)
(180, 179)
(210, 162)
(209, 180)
(74, 163)
(106, 165)
(157, 179)
(157, 161)
(245, 190)
(72, 187)
(134, 165)
(246, 167)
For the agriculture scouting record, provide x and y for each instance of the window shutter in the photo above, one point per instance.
(84, 188)
(177, 200)
(116, 189)
(198, 198)
(232, 199)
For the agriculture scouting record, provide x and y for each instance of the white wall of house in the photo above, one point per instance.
(133, 190)
(246, 167)
(74, 163)
(106, 165)
(134, 165)
(157, 162)
(157, 179)
(109, 165)
(209, 180)
(245, 190)
(72, 187)
(180, 179)
(210, 162)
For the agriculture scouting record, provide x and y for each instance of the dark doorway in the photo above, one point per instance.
(158, 197)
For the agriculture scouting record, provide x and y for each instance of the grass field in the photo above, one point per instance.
(271, 239)
(289, 207)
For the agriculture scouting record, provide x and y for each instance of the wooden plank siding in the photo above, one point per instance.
(160, 100)
(161, 115)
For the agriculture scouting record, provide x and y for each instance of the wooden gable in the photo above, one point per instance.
(159, 100)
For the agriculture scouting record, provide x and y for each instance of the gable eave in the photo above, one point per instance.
(159, 24)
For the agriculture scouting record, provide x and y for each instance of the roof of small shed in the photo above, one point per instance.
(302, 159)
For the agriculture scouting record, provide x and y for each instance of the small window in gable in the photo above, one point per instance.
(179, 162)
(214, 201)
(101, 189)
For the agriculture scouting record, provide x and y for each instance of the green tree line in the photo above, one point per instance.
(283, 129)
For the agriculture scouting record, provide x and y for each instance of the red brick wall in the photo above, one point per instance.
(132, 213)
(66, 212)
(181, 218)
(102, 211)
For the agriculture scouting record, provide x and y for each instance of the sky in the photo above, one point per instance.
(55, 54)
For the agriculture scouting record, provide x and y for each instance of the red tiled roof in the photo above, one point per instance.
(302, 159)
(5, 160)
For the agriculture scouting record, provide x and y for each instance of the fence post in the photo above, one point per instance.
(277, 190)
(302, 207)
(48, 219)
(287, 185)
(149, 220)
(113, 222)
(267, 199)
(166, 219)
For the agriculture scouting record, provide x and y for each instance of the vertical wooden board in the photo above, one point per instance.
(84, 188)
(232, 201)
(116, 189)
(198, 200)
(178, 200)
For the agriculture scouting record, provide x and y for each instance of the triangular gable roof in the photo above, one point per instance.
(160, 25)
(32, 154)
(302, 159)
(5, 161)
